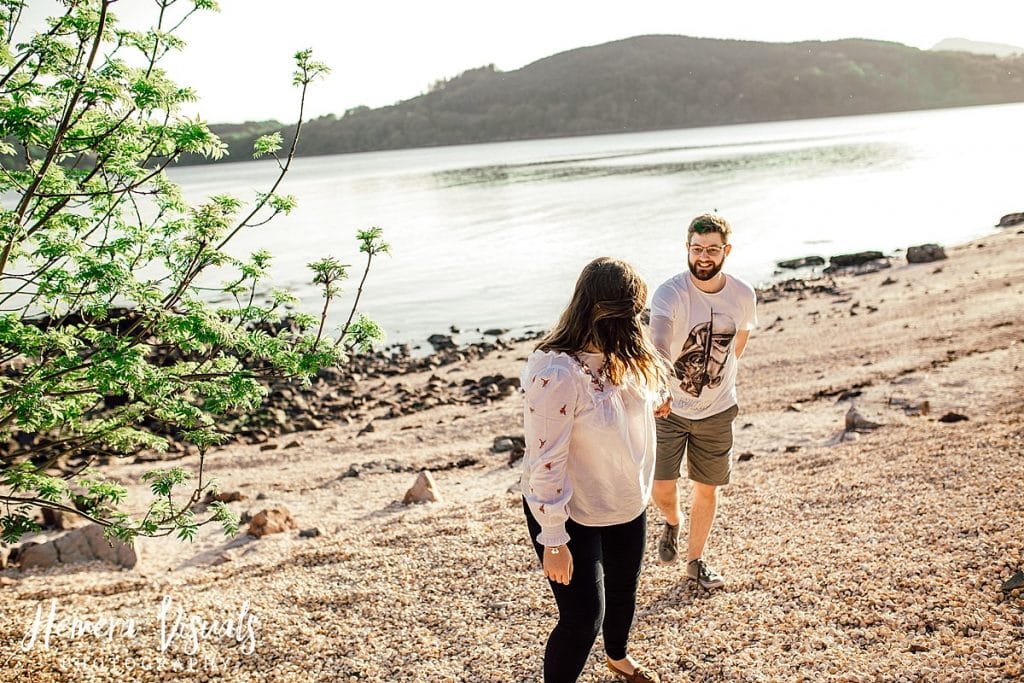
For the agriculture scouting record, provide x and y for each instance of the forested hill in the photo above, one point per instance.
(658, 82)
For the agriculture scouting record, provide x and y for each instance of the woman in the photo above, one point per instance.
(593, 387)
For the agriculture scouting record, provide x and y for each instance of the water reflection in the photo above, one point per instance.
(804, 161)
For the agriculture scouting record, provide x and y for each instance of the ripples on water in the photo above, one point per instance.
(806, 162)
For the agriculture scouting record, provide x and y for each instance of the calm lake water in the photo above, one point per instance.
(494, 235)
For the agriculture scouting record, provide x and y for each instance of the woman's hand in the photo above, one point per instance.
(664, 409)
(558, 564)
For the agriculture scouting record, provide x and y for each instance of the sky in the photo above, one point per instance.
(383, 51)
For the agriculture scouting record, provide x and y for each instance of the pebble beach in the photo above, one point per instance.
(882, 553)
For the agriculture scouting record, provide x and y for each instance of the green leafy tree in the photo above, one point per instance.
(106, 275)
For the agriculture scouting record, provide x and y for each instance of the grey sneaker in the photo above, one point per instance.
(668, 545)
(700, 571)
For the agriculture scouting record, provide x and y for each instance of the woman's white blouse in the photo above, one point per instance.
(589, 453)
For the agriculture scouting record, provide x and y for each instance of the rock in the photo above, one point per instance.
(368, 428)
(857, 259)
(441, 342)
(311, 532)
(224, 496)
(293, 444)
(1010, 219)
(515, 455)
(502, 444)
(953, 417)
(889, 281)
(925, 253)
(86, 544)
(855, 422)
(271, 521)
(803, 262)
(55, 519)
(268, 447)
(5, 555)
(919, 647)
(744, 457)
(1014, 582)
(495, 332)
(792, 449)
(423, 490)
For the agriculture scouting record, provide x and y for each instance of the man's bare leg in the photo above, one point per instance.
(666, 497)
(702, 518)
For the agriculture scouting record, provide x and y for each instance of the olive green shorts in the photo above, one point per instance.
(706, 443)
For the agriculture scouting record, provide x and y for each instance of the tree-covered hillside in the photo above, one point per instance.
(658, 82)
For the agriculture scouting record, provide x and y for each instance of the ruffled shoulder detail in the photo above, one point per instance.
(546, 364)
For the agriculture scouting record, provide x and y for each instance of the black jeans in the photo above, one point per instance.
(601, 594)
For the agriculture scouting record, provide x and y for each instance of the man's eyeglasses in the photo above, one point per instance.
(714, 251)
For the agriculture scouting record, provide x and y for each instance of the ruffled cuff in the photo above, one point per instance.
(551, 536)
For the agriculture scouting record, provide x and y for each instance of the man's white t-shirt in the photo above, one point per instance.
(698, 332)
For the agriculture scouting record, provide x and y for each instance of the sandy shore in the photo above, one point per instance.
(874, 557)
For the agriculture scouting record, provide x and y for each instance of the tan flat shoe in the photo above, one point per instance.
(639, 675)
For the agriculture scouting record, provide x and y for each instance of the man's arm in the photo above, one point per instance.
(741, 341)
(661, 336)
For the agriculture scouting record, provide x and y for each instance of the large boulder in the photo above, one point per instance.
(925, 253)
(857, 259)
(86, 544)
(271, 521)
(1011, 219)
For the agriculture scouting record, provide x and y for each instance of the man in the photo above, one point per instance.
(700, 322)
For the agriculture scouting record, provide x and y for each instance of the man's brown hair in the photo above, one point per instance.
(709, 222)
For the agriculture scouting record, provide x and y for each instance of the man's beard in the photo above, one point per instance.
(705, 274)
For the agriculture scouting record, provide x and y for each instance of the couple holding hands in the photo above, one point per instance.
(611, 409)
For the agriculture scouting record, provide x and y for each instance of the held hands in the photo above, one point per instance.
(558, 564)
(664, 409)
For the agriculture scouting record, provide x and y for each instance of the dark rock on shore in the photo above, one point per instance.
(1011, 219)
(859, 263)
(804, 262)
(856, 259)
(925, 253)
(441, 342)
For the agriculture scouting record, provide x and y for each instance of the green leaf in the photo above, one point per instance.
(266, 144)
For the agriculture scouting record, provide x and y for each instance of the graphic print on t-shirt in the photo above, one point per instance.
(701, 363)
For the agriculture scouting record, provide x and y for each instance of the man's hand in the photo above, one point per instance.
(558, 564)
(664, 409)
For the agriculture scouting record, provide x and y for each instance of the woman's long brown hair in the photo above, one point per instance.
(604, 313)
